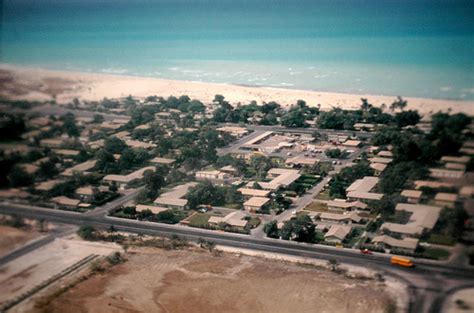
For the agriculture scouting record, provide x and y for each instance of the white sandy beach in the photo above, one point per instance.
(42, 84)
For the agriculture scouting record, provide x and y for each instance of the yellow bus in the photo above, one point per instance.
(401, 261)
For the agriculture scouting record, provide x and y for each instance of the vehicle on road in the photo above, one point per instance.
(395, 260)
(366, 251)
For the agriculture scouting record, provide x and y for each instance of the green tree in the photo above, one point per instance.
(271, 229)
(18, 177)
(114, 145)
(299, 228)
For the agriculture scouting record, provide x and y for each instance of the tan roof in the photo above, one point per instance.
(444, 173)
(51, 142)
(175, 195)
(66, 152)
(154, 209)
(364, 195)
(138, 174)
(454, 159)
(13, 193)
(352, 143)
(381, 160)
(29, 168)
(344, 204)
(338, 231)
(406, 243)
(340, 217)
(378, 166)
(235, 219)
(422, 217)
(285, 177)
(62, 200)
(80, 168)
(48, 185)
(256, 202)
(412, 193)
(139, 144)
(455, 166)
(159, 160)
(447, 197)
(254, 192)
(122, 134)
(432, 184)
(363, 185)
(467, 191)
(385, 154)
(302, 160)
(85, 191)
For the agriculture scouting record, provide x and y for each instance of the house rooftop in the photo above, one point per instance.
(381, 160)
(138, 174)
(62, 200)
(456, 159)
(235, 219)
(338, 231)
(254, 192)
(154, 209)
(256, 202)
(416, 194)
(406, 243)
(446, 197)
(79, 168)
(363, 185)
(159, 160)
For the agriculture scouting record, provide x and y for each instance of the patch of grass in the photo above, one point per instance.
(317, 207)
(440, 239)
(199, 220)
(435, 253)
(323, 195)
(254, 222)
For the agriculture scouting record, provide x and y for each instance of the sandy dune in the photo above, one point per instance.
(38, 84)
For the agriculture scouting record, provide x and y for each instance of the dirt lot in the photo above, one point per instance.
(12, 238)
(31, 269)
(155, 280)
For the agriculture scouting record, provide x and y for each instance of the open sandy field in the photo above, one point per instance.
(31, 269)
(12, 238)
(38, 84)
(155, 280)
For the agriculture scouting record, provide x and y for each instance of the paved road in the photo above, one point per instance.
(103, 210)
(309, 130)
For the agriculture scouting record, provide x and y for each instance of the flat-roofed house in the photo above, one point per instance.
(174, 199)
(281, 177)
(139, 144)
(408, 245)
(250, 192)
(51, 142)
(445, 173)
(235, 219)
(344, 205)
(432, 184)
(340, 218)
(48, 185)
(466, 192)
(81, 168)
(212, 175)
(364, 126)
(378, 168)
(124, 180)
(153, 208)
(255, 204)
(301, 160)
(445, 199)
(63, 202)
(381, 160)
(352, 143)
(234, 130)
(422, 218)
(385, 154)
(165, 161)
(360, 190)
(337, 233)
(456, 159)
(413, 196)
(66, 153)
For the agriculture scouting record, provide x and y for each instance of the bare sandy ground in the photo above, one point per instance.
(155, 280)
(38, 84)
(37, 266)
(12, 238)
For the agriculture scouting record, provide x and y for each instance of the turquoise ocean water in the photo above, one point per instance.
(406, 47)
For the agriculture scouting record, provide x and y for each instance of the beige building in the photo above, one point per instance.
(445, 199)
(235, 219)
(337, 233)
(124, 180)
(255, 204)
(413, 196)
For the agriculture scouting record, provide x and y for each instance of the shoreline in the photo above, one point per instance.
(67, 85)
